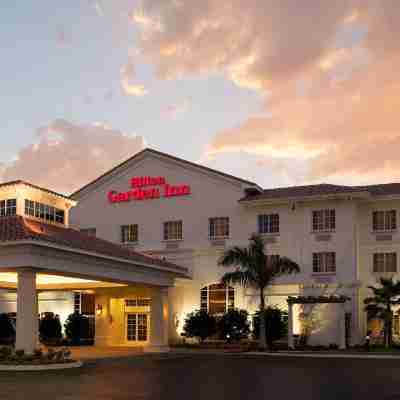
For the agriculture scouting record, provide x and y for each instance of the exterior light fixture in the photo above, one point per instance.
(99, 310)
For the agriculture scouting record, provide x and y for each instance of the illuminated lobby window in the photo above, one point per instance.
(136, 327)
(217, 298)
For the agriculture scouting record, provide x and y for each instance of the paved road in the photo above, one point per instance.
(209, 377)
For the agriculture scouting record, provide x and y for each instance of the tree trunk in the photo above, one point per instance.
(262, 339)
(388, 326)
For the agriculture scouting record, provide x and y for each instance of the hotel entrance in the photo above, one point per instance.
(137, 320)
(137, 327)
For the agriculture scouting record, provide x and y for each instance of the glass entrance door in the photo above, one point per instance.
(137, 327)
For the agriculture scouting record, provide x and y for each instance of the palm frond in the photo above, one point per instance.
(235, 256)
(285, 266)
(242, 278)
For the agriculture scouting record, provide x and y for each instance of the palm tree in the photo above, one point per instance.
(254, 268)
(380, 305)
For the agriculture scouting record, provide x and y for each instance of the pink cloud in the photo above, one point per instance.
(69, 155)
(343, 123)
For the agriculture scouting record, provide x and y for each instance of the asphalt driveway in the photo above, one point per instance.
(209, 377)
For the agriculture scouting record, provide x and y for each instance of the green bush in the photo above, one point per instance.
(9, 356)
(199, 324)
(5, 353)
(275, 324)
(50, 327)
(233, 325)
(6, 328)
(77, 327)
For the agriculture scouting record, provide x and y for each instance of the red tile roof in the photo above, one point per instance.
(323, 189)
(18, 228)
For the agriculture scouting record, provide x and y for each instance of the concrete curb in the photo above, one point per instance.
(325, 355)
(48, 367)
(292, 354)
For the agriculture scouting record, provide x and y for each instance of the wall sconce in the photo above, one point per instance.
(99, 310)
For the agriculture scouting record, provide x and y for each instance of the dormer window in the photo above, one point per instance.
(8, 207)
(44, 212)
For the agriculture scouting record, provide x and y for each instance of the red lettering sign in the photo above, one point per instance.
(142, 190)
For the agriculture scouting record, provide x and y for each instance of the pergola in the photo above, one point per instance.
(33, 254)
(336, 299)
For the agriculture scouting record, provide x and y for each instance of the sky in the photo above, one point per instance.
(279, 93)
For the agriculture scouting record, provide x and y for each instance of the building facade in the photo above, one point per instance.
(343, 238)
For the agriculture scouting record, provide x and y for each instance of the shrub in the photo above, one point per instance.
(275, 324)
(199, 324)
(233, 325)
(77, 327)
(5, 353)
(50, 327)
(6, 328)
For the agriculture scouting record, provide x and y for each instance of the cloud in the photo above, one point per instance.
(175, 111)
(127, 71)
(69, 155)
(329, 69)
(62, 39)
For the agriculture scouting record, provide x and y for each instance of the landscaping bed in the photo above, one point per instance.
(11, 357)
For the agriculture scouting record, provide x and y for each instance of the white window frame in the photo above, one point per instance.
(386, 224)
(8, 207)
(324, 260)
(272, 227)
(217, 223)
(326, 217)
(172, 231)
(128, 237)
(44, 212)
(380, 262)
(228, 291)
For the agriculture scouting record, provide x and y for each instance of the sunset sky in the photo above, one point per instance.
(279, 92)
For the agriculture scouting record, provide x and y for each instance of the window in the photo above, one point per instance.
(384, 220)
(268, 223)
(136, 327)
(324, 220)
(141, 302)
(44, 212)
(60, 216)
(89, 231)
(219, 228)
(217, 298)
(324, 262)
(385, 262)
(8, 207)
(77, 302)
(129, 233)
(173, 230)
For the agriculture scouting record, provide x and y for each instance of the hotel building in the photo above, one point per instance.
(170, 220)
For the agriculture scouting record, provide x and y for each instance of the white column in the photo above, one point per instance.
(290, 326)
(159, 321)
(342, 326)
(27, 337)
